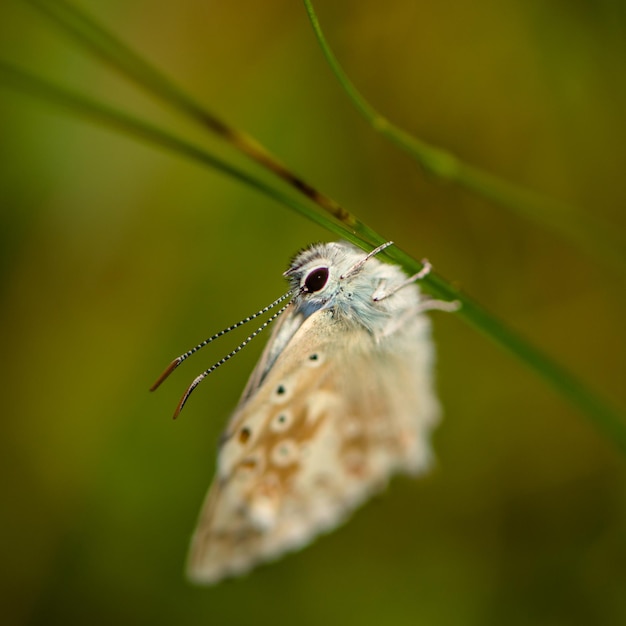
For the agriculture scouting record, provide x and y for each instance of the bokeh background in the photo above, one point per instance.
(116, 257)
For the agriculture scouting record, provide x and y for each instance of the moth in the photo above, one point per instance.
(341, 399)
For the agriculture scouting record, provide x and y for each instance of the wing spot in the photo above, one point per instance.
(282, 421)
(262, 513)
(281, 393)
(285, 453)
(315, 359)
(244, 435)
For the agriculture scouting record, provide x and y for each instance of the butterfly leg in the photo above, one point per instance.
(432, 304)
(359, 264)
(426, 304)
(381, 293)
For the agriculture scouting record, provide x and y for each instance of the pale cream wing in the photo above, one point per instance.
(284, 329)
(337, 414)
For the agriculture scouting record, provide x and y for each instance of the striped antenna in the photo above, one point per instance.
(178, 360)
(230, 355)
(359, 264)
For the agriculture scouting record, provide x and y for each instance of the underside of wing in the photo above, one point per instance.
(336, 415)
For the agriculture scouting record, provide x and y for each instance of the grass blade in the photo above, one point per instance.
(609, 421)
(579, 227)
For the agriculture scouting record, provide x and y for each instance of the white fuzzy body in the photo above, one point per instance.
(341, 399)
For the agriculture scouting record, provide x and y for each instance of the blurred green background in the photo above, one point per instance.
(116, 257)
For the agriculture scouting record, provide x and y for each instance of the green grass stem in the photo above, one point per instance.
(342, 223)
(579, 227)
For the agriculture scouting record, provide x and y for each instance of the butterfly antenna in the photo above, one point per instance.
(178, 360)
(359, 264)
(230, 355)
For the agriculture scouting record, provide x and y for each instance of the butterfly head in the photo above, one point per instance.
(329, 275)
(315, 273)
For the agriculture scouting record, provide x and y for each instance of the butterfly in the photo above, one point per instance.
(341, 399)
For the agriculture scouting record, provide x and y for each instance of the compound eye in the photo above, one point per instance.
(316, 280)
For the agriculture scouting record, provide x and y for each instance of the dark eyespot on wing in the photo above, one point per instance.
(282, 421)
(244, 434)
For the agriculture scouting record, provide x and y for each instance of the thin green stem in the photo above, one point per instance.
(608, 420)
(579, 227)
(120, 121)
(93, 37)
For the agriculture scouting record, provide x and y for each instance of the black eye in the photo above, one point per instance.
(316, 280)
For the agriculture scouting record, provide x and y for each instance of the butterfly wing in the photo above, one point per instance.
(337, 414)
(284, 328)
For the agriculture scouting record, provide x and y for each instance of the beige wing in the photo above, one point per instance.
(337, 414)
